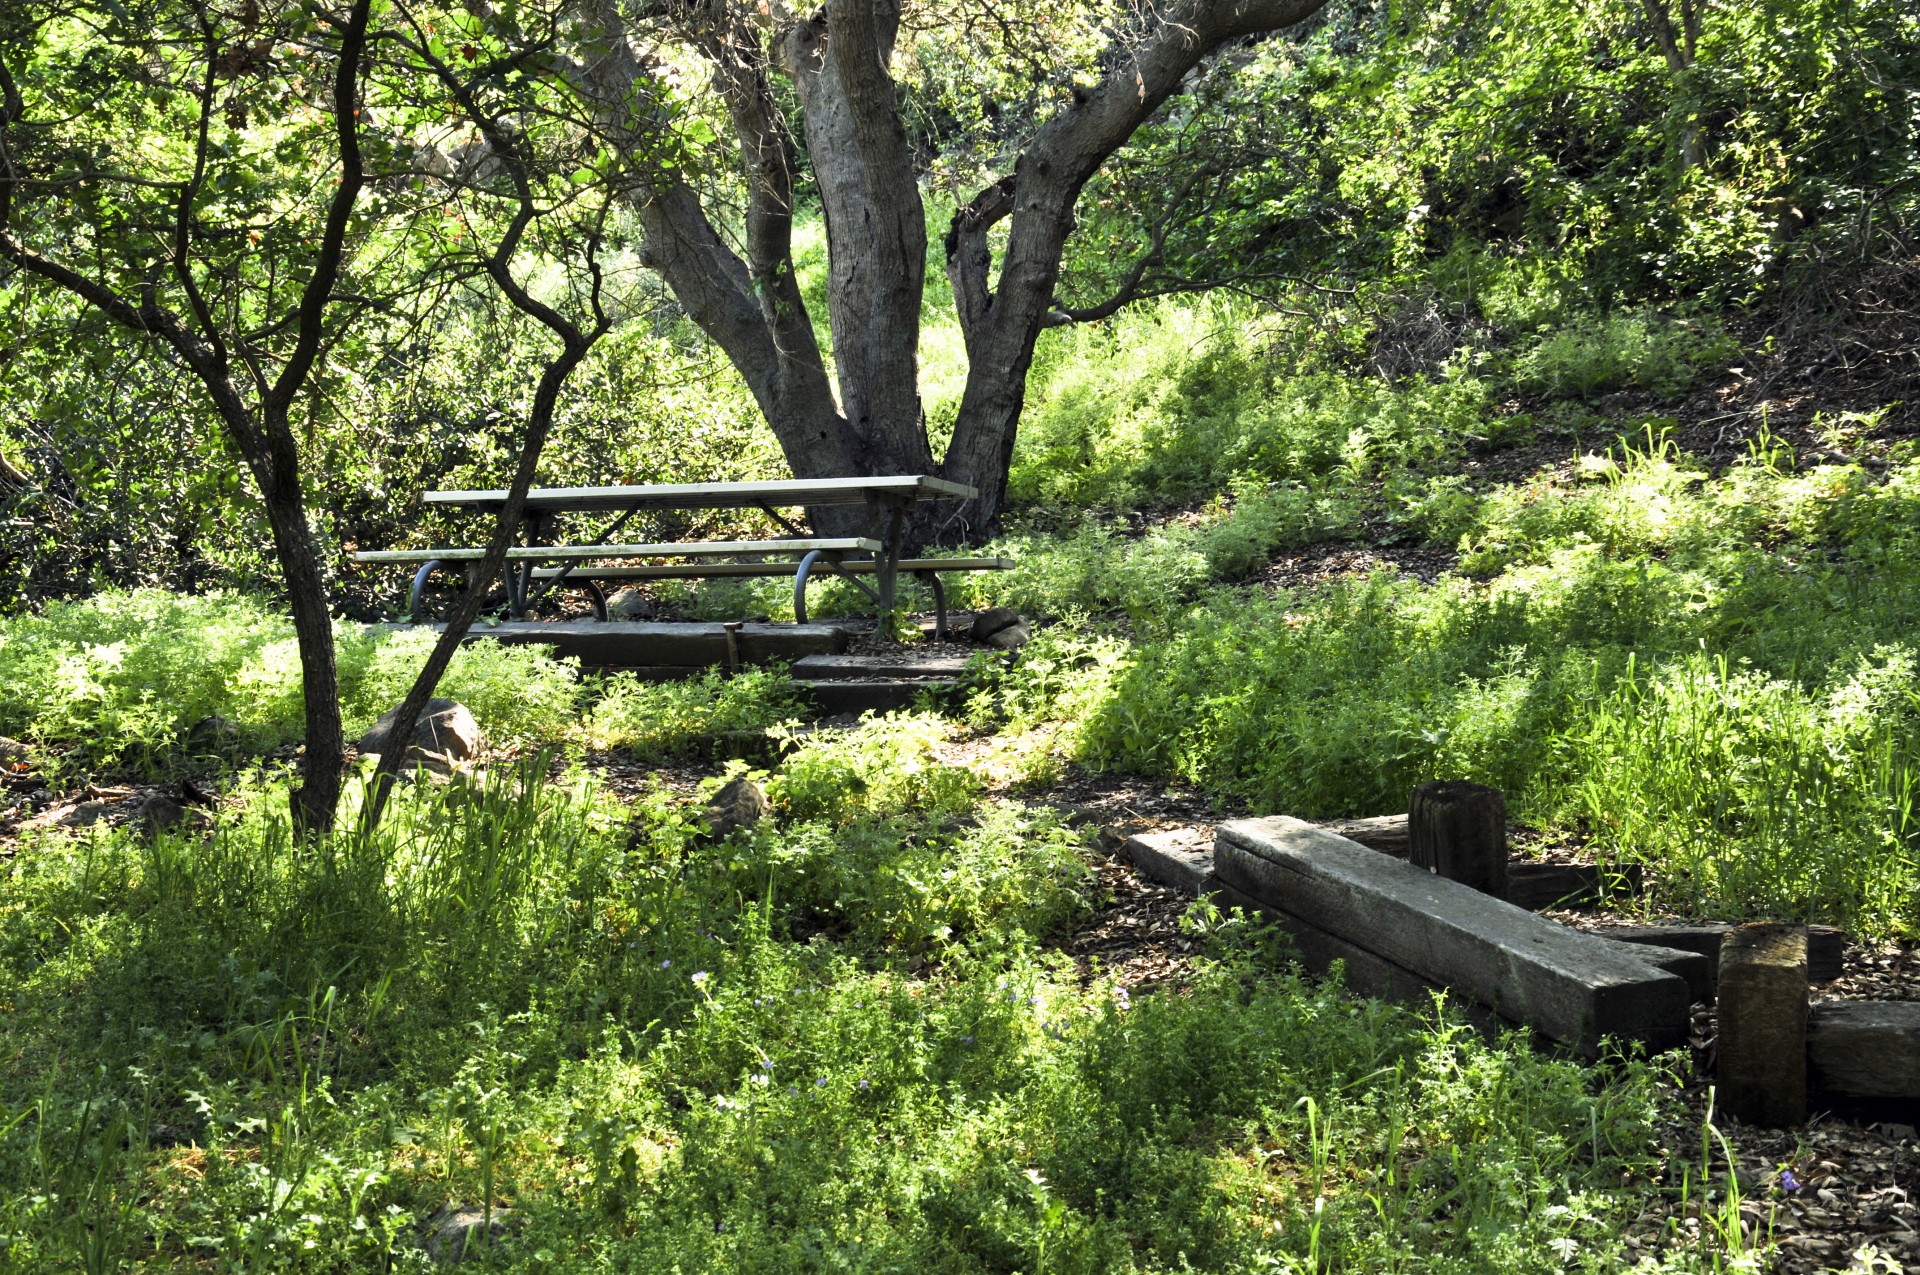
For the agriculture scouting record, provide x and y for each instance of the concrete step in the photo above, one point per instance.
(653, 645)
(908, 663)
(876, 695)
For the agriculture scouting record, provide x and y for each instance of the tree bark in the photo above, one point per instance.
(838, 60)
(575, 343)
(876, 226)
(1003, 323)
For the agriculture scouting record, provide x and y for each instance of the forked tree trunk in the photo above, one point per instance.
(838, 59)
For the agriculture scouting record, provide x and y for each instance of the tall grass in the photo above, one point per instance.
(1712, 675)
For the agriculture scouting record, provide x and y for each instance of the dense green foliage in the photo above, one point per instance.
(1492, 261)
(1713, 674)
(125, 677)
(238, 1051)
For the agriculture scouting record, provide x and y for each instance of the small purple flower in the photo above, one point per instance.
(1789, 1182)
(863, 1084)
(666, 965)
(1035, 1002)
(793, 1089)
(820, 1083)
(1121, 998)
(966, 1040)
(699, 977)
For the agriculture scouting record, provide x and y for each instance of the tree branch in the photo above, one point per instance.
(326, 268)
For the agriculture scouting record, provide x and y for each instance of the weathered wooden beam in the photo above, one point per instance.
(1826, 946)
(1571, 987)
(1691, 966)
(1385, 833)
(668, 549)
(1762, 1070)
(1459, 830)
(708, 570)
(748, 495)
(1533, 886)
(1864, 1049)
(1177, 857)
(1538, 886)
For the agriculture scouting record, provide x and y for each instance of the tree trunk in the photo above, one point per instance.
(314, 801)
(838, 60)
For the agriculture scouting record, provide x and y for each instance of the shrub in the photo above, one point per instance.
(1629, 349)
(664, 720)
(120, 676)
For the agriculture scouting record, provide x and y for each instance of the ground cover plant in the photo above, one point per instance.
(1709, 674)
(1553, 430)
(834, 1041)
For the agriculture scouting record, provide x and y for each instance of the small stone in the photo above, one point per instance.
(741, 803)
(993, 620)
(1011, 638)
(630, 603)
(214, 735)
(445, 736)
(453, 1234)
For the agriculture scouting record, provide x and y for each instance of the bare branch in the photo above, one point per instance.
(326, 269)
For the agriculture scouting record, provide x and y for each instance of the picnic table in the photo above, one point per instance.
(540, 562)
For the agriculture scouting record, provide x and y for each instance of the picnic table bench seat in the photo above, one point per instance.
(690, 549)
(586, 565)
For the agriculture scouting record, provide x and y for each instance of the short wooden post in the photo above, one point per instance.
(1459, 830)
(1763, 1023)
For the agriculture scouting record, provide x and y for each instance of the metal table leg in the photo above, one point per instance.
(800, 586)
(932, 579)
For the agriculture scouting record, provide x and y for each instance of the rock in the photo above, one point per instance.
(445, 736)
(741, 803)
(160, 812)
(213, 734)
(1011, 638)
(86, 814)
(630, 603)
(993, 620)
(12, 752)
(455, 1234)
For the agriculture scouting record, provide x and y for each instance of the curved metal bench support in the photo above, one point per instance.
(800, 587)
(515, 591)
(597, 596)
(800, 582)
(419, 583)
